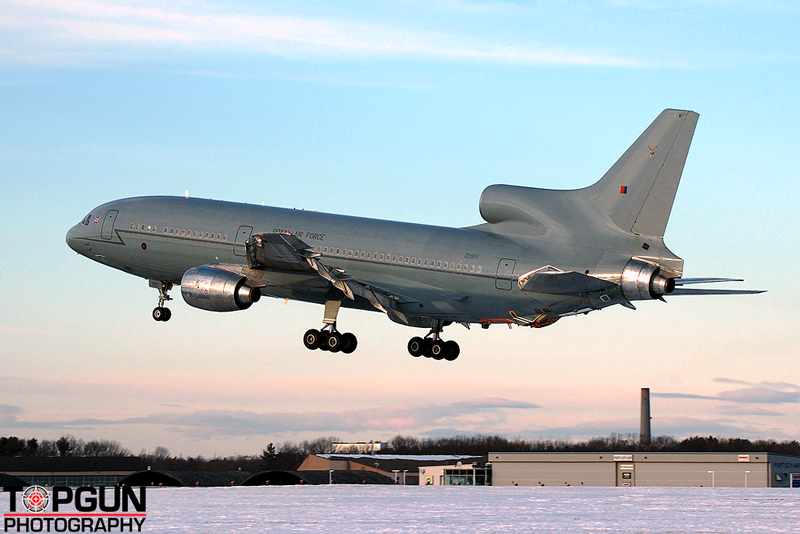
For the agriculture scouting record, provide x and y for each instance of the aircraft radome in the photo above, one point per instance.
(540, 254)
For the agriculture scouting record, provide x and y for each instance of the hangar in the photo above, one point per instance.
(645, 469)
(71, 471)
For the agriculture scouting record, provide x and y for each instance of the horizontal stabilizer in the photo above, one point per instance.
(688, 281)
(690, 291)
(686, 291)
(553, 282)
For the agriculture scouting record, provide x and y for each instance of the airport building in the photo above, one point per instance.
(458, 474)
(645, 469)
(358, 447)
(70, 471)
(400, 468)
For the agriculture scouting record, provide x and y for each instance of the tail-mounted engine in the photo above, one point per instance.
(213, 289)
(642, 280)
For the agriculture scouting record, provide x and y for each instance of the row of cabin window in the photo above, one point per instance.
(179, 232)
(453, 266)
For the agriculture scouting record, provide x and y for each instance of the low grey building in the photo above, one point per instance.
(71, 471)
(645, 469)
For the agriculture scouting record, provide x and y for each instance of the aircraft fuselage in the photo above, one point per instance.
(466, 275)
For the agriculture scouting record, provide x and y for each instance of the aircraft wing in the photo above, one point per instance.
(286, 252)
(282, 252)
(555, 282)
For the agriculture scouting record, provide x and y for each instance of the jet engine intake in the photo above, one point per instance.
(642, 280)
(213, 289)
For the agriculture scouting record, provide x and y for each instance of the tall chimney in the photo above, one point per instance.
(644, 432)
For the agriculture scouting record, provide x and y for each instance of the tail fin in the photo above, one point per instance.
(637, 192)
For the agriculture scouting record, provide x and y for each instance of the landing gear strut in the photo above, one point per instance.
(161, 313)
(432, 346)
(329, 338)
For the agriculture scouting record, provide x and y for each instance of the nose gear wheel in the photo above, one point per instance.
(162, 313)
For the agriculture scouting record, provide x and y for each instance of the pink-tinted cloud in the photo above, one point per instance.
(761, 393)
(228, 423)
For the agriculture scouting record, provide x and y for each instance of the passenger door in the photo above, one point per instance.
(107, 232)
(505, 270)
(242, 235)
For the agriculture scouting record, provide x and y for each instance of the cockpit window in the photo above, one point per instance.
(88, 218)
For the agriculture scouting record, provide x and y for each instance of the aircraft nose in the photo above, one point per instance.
(73, 237)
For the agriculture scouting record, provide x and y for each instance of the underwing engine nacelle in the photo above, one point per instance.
(213, 289)
(642, 280)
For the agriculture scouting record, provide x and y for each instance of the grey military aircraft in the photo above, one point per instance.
(540, 255)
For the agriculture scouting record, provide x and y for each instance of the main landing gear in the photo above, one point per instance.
(161, 313)
(328, 338)
(432, 346)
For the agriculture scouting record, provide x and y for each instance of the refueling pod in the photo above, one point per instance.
(213, 289)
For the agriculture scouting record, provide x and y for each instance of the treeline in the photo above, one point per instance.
(480, 445)
(286, 456)
(64, 446)
(289, 455)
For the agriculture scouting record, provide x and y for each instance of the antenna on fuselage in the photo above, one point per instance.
(186, 193)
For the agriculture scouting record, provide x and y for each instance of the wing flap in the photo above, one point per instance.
(286, 252)
(282, 252)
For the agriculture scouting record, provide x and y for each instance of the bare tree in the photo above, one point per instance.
(161, 453)
(47, 448)
(104, 447)
(319, 445)
(69, 446)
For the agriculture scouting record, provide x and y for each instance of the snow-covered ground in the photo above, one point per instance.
(387, 509)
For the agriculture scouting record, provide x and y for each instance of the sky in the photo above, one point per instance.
(406, 111)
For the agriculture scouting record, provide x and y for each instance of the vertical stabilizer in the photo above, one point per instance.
(637, 192)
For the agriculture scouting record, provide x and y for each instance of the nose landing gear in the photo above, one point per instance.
(161, 313)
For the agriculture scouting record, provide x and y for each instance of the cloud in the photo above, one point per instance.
(203, 424)
(760, 395)
(754, 393)
(748, 410)
(69, 31)
(8, 414)
(776, 385)
(681, 396)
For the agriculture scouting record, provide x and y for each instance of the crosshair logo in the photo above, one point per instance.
(35, 499)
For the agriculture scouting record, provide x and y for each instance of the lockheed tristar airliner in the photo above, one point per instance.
(539, 256)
